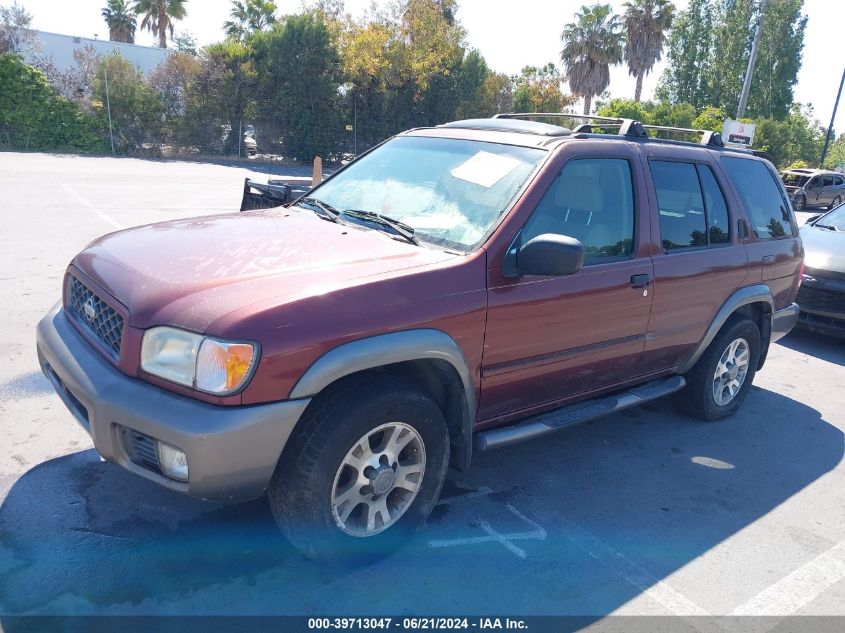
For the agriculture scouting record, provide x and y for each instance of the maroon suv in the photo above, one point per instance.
(455, 289)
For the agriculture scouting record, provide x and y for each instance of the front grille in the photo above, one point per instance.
(96, 315)
(821, 299)
(140, 449)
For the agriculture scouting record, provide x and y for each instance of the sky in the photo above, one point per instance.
(509, 38)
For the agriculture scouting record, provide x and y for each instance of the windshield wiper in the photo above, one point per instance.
(322, 209)
(401, 229)
(826, 226)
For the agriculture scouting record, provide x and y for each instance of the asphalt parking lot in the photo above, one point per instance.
(647, 512)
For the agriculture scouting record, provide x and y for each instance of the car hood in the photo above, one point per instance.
(189, 273)
(825, 249)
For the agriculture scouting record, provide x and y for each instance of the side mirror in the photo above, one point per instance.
(550, 255)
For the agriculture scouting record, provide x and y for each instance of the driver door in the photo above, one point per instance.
(550, 339)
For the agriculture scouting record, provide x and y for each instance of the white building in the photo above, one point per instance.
(61, 47)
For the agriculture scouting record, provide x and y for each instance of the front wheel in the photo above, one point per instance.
(799, 203)
(362, 472)
(720, 381)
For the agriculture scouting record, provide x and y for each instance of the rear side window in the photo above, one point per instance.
(768, 210)
(682, 220)
(718, 221)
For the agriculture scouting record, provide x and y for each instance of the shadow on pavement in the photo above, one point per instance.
(813, 344)
(25, 386)
(80, 536)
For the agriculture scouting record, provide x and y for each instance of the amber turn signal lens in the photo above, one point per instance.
(223, 367)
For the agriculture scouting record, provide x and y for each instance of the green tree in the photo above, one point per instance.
(539, 90)
(690, 44)
(646, 25)
(731, 50)
(249, 16)
(591, 45)
(33, 117)
(186, 43)
(627, 109)
(15, 31)
(121, 20)
(222, 96)
(159, 16)
(135, 107)
(471, 86)
(300, 47)
(710, 118)
(779, 60)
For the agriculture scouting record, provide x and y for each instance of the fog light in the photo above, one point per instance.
(172, 461)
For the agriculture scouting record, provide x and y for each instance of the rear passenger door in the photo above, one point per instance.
(699, 262)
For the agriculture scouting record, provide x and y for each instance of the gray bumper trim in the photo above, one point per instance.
(232, 451)
(783, 321)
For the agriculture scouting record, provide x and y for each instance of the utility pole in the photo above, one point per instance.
(832, 117)
(108, 107)
(752, 61)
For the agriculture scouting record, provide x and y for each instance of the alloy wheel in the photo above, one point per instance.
(731, 371)
(378, 479)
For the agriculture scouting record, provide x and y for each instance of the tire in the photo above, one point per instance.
(800, 203)
(311, 479)
(836, 202)
(699, 398)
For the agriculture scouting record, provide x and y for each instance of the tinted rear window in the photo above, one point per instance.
(767, 209)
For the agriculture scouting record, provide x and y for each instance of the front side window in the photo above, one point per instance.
(591, 200)
(450, 191)
(767, 209)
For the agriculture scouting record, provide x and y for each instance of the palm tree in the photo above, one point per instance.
(159, 16)
(249, 16)
(121, 20)
(591, 45)
(646, 24)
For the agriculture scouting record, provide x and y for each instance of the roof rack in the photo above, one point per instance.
(552, 115)
(626, 127)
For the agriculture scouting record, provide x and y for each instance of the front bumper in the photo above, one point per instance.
(783, 321)
(232, 451)
(823, 323)
(822, 301)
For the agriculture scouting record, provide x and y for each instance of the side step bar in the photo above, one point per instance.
(576, 414)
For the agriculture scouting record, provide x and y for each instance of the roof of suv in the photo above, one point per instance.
(514, 129)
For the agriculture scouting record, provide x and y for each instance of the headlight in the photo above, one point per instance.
(199, 362)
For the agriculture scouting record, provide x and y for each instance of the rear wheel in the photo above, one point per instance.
(836, 202)
(720, 381)
(362, 472)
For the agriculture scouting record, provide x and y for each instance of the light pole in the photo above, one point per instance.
(752, 61)
(832, 117)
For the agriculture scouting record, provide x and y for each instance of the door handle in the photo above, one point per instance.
(640, 281)
(768, 260)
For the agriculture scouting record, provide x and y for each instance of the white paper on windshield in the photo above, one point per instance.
(485, 169)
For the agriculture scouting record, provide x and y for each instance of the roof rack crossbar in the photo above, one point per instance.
(562, 115)
(707, 137)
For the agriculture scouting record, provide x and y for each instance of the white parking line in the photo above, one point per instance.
(629, 571)
(99, 212)
(799, 587)
(537, 533)
(480, 492)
